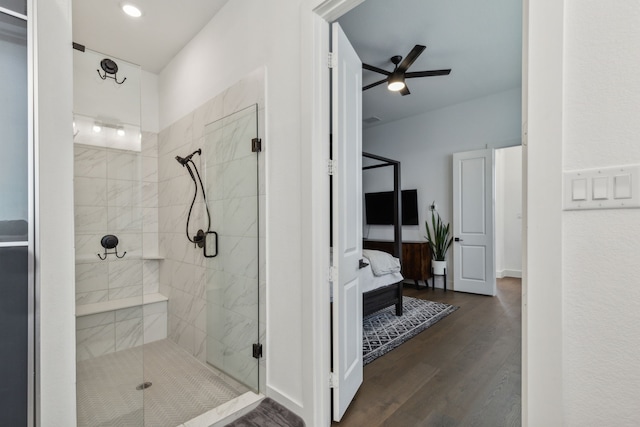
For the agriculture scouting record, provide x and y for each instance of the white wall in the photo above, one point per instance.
(600, 248)
(150, 102)
(54, 208)
(542, 385)
(425, 144)
(508, 212)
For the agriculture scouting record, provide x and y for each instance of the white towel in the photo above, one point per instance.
(381, 262)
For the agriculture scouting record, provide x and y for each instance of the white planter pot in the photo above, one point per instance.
(438, 267)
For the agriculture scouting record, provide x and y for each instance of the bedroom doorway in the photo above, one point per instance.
(508, 212)
(331, 10)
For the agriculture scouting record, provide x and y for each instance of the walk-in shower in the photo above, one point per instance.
(165, 333)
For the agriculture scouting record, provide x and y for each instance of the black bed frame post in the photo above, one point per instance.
(391, 294)
(397, 209)
(397, 214)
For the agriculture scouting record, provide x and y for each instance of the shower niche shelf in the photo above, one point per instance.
(88, 259)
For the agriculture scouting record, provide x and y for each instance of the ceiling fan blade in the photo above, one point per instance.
(427, 73)
(374, 84)
(411, 57)
(405, 90)
(376, 69)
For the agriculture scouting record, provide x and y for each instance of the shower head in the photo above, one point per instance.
(183, 161)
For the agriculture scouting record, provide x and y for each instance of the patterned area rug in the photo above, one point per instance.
(383, 331)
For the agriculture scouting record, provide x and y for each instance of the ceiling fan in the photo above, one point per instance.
(396, 79)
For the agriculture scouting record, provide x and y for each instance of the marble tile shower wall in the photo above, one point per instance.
(185, 275)
(115, 192)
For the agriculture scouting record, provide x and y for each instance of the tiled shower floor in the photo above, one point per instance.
(182, 389)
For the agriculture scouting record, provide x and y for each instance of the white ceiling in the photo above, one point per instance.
(150, 41)
(480, 40)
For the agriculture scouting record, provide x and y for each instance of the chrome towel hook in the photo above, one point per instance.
(110, 242)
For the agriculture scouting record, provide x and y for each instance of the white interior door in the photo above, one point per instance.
(473, 222)
(347, 221)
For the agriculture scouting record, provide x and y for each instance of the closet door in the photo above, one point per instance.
(16, 265)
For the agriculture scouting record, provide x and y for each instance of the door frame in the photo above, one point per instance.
(542, 108)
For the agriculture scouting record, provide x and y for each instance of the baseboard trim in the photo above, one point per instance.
(508, 273)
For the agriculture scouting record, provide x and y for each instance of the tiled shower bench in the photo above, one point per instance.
(108, 326)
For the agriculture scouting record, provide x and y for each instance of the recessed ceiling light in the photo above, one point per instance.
(97, 128)
(131, 10)
(120, 132)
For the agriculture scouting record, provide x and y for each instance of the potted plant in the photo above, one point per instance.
(439, 239)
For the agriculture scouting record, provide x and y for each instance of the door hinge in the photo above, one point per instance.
(332, 380)
(330, 62)
(256, 145)
(331, 167)
(333, 274)
(257, 350)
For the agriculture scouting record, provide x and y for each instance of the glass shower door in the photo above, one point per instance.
(233, 275)
(109, 201)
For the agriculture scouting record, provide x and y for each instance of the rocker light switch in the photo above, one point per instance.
(600, 188)
(578, 190)
(622, 187)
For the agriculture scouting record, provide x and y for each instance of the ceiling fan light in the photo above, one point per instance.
(395, 86)
(396, 82)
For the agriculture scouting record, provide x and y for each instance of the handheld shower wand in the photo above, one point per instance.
(198, 239)
(185, 160)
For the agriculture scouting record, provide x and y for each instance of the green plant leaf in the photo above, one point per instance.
(438, 237)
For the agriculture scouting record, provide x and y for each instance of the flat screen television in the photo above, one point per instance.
(379, 207)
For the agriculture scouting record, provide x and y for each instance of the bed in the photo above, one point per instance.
(381, 282)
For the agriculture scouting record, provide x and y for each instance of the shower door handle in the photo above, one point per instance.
(204, 248)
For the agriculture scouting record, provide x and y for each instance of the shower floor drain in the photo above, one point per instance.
(144, 385)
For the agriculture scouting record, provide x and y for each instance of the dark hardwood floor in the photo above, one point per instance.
(462, 371)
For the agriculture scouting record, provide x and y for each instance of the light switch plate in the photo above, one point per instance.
(606, 188)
